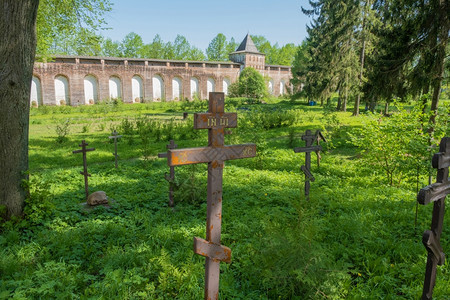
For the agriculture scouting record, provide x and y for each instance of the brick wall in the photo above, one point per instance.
(75, 69)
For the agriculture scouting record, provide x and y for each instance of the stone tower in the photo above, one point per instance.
(248, 55)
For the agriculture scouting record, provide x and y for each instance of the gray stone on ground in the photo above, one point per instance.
(97, 198)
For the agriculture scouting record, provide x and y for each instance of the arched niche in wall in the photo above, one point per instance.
(158, 88)
(62, 90)
(115, 87)
(176, 88)
(194, 88)
(90, 89)
(226, 85)
(282, 87)
(137, 88)
(210, 86)
(36, 92)
(270, 87)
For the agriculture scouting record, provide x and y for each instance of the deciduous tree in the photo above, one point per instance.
(251, 84)
(17, 49)
(132, 45)
(217, 48)
(17, 52)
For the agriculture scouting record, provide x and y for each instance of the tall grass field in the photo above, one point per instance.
(359, 236)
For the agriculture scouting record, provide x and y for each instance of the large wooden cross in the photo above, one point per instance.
(215, 120)
(436, 193)
(115, 136)
(85, 172)
(310, 138)
(171, 176)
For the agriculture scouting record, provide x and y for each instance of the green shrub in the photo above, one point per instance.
(399, 144)
(250, 84)
(62, 129)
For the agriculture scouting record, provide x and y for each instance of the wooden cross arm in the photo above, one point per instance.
(114, 136)
(433, 192)
(162, 155)
(83, 150)
(308, 149)
(215, 120)
(433, 246)
(85, 174)
(441, 160)
(307, 173)
(213, 251)
(319, 136)
(178, 157)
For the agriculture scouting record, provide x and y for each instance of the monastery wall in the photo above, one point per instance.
(86, 80)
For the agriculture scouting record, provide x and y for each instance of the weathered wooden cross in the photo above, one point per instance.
(115, 136)
(310, 139)
(215, 120)
(436, 193)
(85, 173)
(171, 176)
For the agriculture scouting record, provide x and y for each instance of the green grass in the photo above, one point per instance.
(354, 239)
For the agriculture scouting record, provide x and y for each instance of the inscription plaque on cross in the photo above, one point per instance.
(115, 136)
(215, 120)
(171, 176)
(85, 172)
(310, 138)
(436, 193)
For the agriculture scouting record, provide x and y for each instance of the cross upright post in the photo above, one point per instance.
(309, 138)
(171, 176)
(115, 136)
(85, 172)
(215, 120)
(436, 193)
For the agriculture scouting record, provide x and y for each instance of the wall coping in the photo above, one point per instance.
(100, 58)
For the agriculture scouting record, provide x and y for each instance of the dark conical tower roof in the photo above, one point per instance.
(247, 45)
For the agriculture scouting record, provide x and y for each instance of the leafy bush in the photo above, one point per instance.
(250, 84)
(38, 205)
(399, 144)
(62, 130)
(268, 119)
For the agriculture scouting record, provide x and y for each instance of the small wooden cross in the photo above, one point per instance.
(436, 193)
(171, 176)
(85, 173)
(115, 136)
(215, 120)
(310, 139)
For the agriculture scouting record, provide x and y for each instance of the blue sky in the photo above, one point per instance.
(201, 20)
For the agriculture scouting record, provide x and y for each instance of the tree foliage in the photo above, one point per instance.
(217, 48)
(372, 50)
(275, 55)
(250, 84)
(63, 25)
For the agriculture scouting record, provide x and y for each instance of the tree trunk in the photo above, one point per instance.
(344, 104)
(440, 57)
(17, 51)
(361, 59)
(358, 97)
(373, 104)
(338, 107)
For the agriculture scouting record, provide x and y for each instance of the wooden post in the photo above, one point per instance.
(85, 172)
(171, 176)
(436, 193)
(115, 136)
(215, 120)
(310, 139)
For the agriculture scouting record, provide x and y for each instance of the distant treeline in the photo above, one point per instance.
(89, 44)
